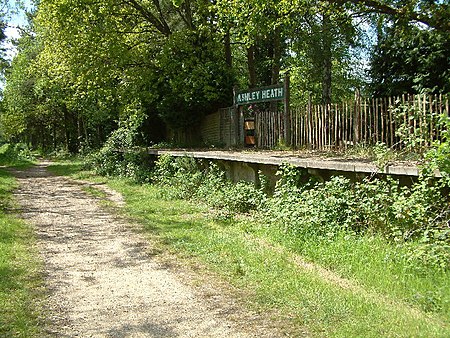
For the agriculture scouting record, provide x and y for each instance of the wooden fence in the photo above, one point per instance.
(406, 121)
(269, 129)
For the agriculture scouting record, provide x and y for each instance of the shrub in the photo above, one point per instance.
(205, 181)
(416, 216)
(12, 154)
(119, 155)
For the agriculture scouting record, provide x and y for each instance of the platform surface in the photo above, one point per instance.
(298, 159)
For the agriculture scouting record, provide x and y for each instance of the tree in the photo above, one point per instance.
(99, 61)
(193, 80)
(4, 9)
(410, 59)
(311, 39)
(19, 96)
(323, 43)
(254, 30)
(88, 65)
(432, 13)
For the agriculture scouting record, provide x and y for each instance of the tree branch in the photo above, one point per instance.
(161, 26)
(438, 21)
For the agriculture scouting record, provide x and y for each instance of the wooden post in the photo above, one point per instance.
(346, 126)
(287, 124)
(423, 125)
(336, 127)
(310, 123)
(390, 124)
(382, 107)
(377, 120)
(235, 118)
(433, 100)
(357, 120)
(366, 124)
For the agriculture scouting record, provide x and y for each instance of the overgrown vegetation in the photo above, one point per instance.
(206, 182)
(376, 252)
(117, 156)
(15, 154)
(360, 230)
(415, 217)
(325, 279)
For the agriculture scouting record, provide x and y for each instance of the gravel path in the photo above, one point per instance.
(101, 281)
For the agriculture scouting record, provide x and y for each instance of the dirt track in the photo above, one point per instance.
(101, 281)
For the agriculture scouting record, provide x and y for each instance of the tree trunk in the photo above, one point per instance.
(251, 66)
(227, 45)
(276, 63)
(326, 62)
(70, 126)
(276, 57)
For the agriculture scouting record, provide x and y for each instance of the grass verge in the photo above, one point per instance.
(351, 287)
(20, 279)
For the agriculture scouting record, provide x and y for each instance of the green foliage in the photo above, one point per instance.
(182, 174)
(117, 157)
(383, 229)
(15, 154)
(414, 217)
(340, 287)
(410, 59)
(207, 182)
(418, 214)
(19, 98)
(20, 281)
(84, 64)
(193, 78)
(438, 157)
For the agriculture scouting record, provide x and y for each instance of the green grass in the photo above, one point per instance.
(377, 265)
(94, 192)
(20, 280)
(349, 287)
(66, 168)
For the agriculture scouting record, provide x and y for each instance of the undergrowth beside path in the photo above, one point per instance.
(347, 286)
(20, 279)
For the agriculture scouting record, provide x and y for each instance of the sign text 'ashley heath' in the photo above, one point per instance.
(259, 95)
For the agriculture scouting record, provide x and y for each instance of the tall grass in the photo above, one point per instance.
(20, 280)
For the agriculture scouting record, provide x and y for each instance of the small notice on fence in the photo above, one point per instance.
(265, 94)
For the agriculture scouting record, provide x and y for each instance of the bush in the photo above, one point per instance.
(14, 154)
(119, 156)
(416, 216)
(205, 181)
(438, 157)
